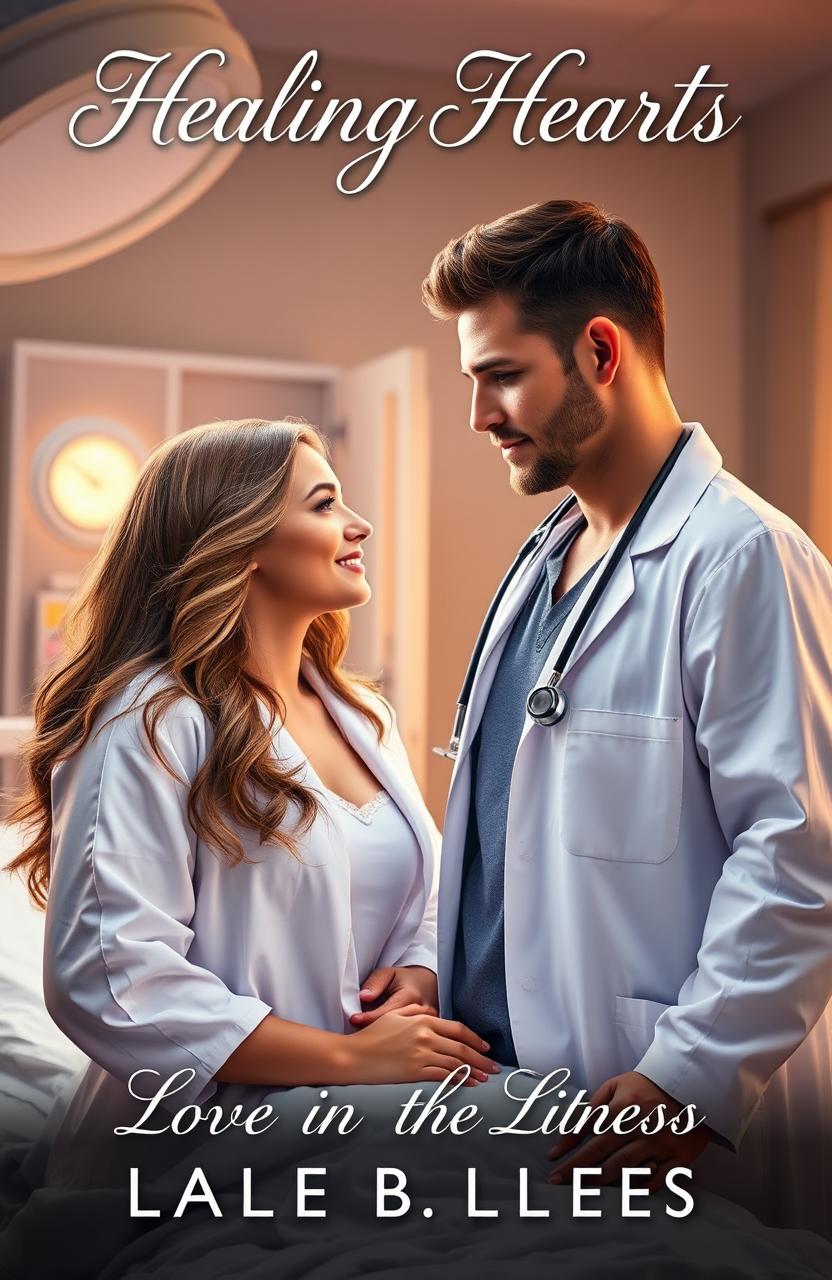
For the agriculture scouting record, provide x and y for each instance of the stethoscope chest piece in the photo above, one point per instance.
(547, 704)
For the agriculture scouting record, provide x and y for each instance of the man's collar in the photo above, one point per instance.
(695, 468)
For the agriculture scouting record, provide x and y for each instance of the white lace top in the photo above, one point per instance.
(384, 863)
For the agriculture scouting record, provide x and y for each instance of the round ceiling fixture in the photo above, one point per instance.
(65, 205)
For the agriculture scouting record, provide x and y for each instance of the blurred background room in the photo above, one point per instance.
(145, 290)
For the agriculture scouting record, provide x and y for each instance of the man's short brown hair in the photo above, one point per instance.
(562, 262)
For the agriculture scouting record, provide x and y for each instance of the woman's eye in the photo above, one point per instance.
(326, 505)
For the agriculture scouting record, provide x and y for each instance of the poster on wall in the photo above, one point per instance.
(50, 607)
(416, 608)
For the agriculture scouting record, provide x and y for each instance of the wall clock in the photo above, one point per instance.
(82, 475)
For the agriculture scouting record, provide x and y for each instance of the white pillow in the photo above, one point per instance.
(36, 1058)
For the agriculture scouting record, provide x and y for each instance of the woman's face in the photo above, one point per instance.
(312, 562)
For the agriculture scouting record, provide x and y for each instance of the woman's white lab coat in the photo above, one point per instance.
(157, 953)
(668, 866)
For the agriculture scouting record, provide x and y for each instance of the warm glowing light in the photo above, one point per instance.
(90, 480)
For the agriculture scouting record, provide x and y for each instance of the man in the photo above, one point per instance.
(642, 892)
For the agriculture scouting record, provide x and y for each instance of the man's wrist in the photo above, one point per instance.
(423, 977)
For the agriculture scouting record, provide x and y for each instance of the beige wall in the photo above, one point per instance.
(786, 357)
(786, 165)
(274, 262)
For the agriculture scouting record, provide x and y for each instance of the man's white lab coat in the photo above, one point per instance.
(668, 866)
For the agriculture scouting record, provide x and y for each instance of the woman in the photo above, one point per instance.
(233, 845)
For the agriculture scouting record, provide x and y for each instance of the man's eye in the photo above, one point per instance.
(326, 505)
(503, 377)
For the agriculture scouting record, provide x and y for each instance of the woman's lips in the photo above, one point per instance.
(352, 565)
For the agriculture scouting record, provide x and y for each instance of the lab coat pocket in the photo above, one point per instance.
(621, 798)
(636, 1022)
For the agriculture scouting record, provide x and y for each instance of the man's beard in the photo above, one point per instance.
(579, 416)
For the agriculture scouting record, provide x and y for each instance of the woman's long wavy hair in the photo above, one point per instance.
(167, 589)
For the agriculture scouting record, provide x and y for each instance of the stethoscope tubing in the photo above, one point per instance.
(555, 698)
(528, 548)
(547, 704)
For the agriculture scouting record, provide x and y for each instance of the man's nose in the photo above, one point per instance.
(485, 412)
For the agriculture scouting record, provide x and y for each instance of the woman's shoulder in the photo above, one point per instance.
(178, 718)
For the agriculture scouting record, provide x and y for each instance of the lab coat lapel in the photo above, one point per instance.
(695, 468)
(459, 793)
(511, 605)
(338, 871)
(394, 775)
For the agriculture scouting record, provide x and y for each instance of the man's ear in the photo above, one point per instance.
(605, 340)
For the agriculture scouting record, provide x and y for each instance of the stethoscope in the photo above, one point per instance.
(547, 704)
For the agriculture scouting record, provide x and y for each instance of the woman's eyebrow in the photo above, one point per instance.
(324, 484)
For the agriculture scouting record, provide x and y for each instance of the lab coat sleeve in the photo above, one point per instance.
(117, 979)
(757, 683)
(413, 941)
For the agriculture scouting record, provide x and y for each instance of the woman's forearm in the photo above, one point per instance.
(280, 1052)
(404, 1045)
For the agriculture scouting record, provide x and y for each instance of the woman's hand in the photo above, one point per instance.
(412, 1044)
(392, 988)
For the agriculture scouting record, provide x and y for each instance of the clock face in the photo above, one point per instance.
(90, 480)
(83, 474)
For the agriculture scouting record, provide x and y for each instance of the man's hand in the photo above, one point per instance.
(613, 1152)
(391, 988)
